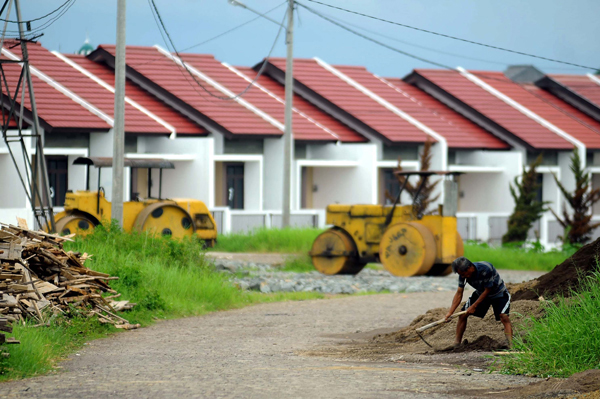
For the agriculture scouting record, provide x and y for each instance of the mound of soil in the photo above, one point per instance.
(483, 343)
(564, 278)
(485, 334)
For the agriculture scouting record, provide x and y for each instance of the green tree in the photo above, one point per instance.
(578, 225)
(528, 208)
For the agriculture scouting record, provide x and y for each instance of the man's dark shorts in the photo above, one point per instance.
(501, 305)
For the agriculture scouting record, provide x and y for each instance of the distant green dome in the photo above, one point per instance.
(86, 48)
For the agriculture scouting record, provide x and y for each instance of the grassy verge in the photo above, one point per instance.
(300, 241)
(566, 341)
(269, 240)
(516, 258)
(166, 278)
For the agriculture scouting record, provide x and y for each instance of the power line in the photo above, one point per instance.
(506, 80)
(39, 18)
(234, 28)
(48, 23)
(374, 40)
(451, 37)
(227, 98)
(416, 45)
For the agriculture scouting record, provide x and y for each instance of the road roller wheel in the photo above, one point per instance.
(78, 224)
(334, 252)
(444, 269)
(166, 219)
(407, 249)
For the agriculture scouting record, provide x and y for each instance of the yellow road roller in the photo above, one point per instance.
(405, 242)
(177, 217)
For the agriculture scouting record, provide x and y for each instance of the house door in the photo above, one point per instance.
(57, 179)
(234, 190)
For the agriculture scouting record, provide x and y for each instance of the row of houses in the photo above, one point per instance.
(350, 128)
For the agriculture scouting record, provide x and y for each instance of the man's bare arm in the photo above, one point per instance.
(474, 305)
(455, 302)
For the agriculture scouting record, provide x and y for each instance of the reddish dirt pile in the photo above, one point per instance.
(580, 383)
(563, 278)
(485, 334)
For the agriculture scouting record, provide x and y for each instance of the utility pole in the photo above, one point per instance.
(39, 179)
(119, 124)
(288, 138)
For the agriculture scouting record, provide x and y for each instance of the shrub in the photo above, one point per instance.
(564, 342)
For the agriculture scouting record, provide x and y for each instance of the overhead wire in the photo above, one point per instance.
(36, 19)
(414, 44)
(479, 74)
(234, 28)
(45, 25)
(162, 28)
(210, 39)
(450, 36)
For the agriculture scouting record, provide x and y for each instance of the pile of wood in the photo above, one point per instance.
(39, 279)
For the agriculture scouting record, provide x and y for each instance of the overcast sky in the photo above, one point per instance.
(563, 29)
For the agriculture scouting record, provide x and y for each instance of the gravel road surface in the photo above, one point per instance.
(256, 352)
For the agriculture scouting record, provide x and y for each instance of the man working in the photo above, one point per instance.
(489, 290)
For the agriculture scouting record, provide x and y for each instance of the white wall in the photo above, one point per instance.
(13, 200)
(567, 179)
(192, 177)
(12, 192)
(488, 191)
(550, 191)
(252, 186)
(101, 145)
(346, 185)
(273, 174)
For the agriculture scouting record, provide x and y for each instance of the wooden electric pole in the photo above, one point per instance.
(288, 138)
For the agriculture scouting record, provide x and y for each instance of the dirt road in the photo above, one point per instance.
(258, 352)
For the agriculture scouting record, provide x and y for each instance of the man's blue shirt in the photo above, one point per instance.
(485, 276)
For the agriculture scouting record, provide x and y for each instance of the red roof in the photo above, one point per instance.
(346, 97)
(161, 110)
(458, 131)
(554, 110)
(561, 114)
(309, 122)
(135, 120)
(583, 85)
(164, 72)
(523, 127)
(54, 108)
(303, 127)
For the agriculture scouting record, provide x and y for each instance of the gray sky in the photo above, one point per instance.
(561, 29)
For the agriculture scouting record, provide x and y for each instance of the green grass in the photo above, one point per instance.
(166, 278)
(516, 258)
(564, 342)
(269, 240)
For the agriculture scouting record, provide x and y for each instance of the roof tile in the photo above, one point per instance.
(523, 127)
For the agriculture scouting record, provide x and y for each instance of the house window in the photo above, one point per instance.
(390, 185)
(234, 189)
(58, 178)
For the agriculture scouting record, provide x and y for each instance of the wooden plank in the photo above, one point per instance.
(10, 250)
(44, 287)
(22, 223)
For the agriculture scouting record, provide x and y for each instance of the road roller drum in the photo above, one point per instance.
(407, 249)
(334, 252)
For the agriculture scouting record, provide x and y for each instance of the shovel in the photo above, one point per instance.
(435, 323)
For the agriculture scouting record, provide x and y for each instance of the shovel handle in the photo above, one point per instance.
(435, 323)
